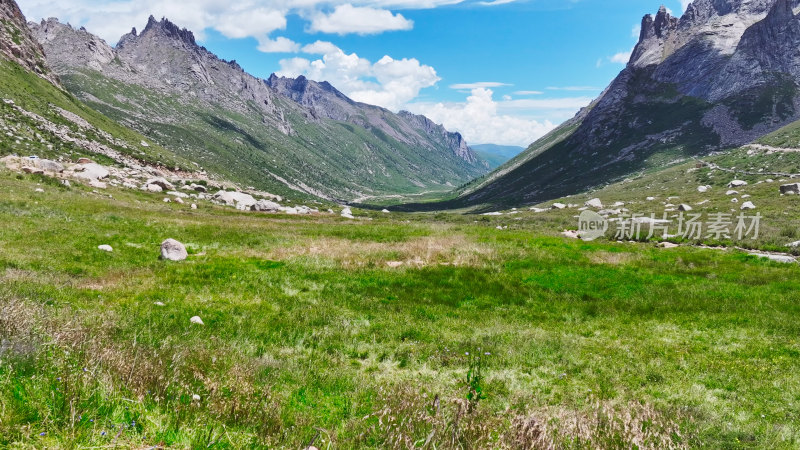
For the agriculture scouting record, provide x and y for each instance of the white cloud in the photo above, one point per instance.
(253, 22)
(685, 4)
(620, 58)
(389, 82)
(319, 48)
(278, 45)
(636, 31)
(528, 93)
(481, 119)
(480, 84)
(496, 2)
(346, 19)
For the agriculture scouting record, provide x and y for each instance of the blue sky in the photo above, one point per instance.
(502, 72)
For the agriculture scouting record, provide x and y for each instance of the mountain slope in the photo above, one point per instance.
(724, 74)
(280, 135)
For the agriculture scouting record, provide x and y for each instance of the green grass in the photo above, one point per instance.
(309, 332)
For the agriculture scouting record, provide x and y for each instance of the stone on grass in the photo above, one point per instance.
(558, 206)
(194, 206)
(737, 183)
(98, 184)
(161, 182)
(748, 205)
(196, 397)
(91, 171)
(777, 258)
(790, 189)
(266, 206)
(594, 203)
(196, 320)
(105, 248)
(703, 189)
(153, 188)
(159, 304)
(173, 250)
(240, 200)
(572, 234)
(385, 211)
(668, 245)
(684, 207)
(732, 192)
(394, 264)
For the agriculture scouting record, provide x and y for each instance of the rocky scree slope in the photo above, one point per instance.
(722, 75)
(18, 45)
(279, 135)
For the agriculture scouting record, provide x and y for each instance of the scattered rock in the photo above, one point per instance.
(197, 321)
(178, 200)
(66, 183)
(240, 200)
(173, 250)
(394, 264)
(668, 245)
(194, 206)
(196, 397)
(495, 213)
(385, 211)
(790, 189)
(266, 206)
(734, 200)
(794, 244)
(159, 304)
(558, 206)
(38, 190)
(49, 166)
(572, 234)
(732, 192)
(748, 205)
(737, 183)
(167, 200)
(594, 203)
(105, 248)
(703, 189)
(684, 207)
(144, 144)
(85, 161)
(650, 199)
(91, 171)
(153, 188)
(98, 184)
(776, 258)
(161, 182)
(347, 213)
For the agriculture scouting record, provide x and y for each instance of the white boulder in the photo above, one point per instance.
(594, 203)
(173, 250)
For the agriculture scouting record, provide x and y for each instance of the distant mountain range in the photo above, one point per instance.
(497, 155)
(282, 135)
(724, 74)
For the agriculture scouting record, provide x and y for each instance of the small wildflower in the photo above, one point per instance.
(91, 420)
(487, 354)
(42, 433)
(103, 433)
(58, 379)
(466, 353)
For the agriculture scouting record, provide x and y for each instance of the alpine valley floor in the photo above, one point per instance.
(388, 331)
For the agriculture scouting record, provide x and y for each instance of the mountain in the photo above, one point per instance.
(17, 44)
(496, 155)
(722, 75)
(280, 134)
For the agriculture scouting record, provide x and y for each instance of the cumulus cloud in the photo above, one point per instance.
(389, 82)
(685, 4)
(278, 45)
(481, 119)
(110, 19)
(528, 93)
(319, 48)
(346, 19)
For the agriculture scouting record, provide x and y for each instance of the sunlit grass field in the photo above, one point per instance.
(313, 334)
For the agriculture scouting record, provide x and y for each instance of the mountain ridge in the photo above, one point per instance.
(162, 83)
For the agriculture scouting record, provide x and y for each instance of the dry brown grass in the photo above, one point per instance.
(455, 250)
(413, 420)
(613, 258)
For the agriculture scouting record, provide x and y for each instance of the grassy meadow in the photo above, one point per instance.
(482, 338)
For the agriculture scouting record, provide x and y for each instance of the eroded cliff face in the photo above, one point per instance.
(18, 45)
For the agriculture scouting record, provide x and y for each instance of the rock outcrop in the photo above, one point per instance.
(18, 45)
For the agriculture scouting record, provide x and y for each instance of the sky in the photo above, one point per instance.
(497, 71)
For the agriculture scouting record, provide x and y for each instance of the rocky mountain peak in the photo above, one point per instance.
(168, 29)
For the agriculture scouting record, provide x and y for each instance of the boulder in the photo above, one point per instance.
(777, 258)
(703, 189)
(194, 206)
(385, 211)
(162, 182)
(558, 206)
(748, 205)
(347, 213)
(668, 245)
(732, 192)
(790, 189)
(153, 188)
(91, 171)
(105, 248)
(737, 183)
(85, 161)
(48, 165)
(594, 203)
(240, 200)
(97, 184)
(684, 207)
(266, 206)
(173, 250)
(197, 321)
